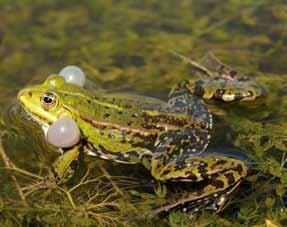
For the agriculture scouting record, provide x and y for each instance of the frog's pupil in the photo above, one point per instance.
(48, 99)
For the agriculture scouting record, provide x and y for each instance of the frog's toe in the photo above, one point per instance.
(230, 153)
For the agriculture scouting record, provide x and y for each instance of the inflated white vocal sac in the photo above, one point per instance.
(63, 133)
(74, 75)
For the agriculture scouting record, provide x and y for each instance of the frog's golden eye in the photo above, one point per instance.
(49, 101)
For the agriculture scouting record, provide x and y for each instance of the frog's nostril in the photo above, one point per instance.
(20, 94)
(24, 92)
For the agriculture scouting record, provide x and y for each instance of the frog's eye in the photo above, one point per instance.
(49, 101)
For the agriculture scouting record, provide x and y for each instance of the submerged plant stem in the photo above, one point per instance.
(108, 176)
(24, 172)
(9, 164)
(69, 196)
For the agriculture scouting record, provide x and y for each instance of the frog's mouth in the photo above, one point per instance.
(33, 110)
(44, 125)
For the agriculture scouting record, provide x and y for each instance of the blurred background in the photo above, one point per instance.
(126, 43)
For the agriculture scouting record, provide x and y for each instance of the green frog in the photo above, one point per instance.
(168, 138)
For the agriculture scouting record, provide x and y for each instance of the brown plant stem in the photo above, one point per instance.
(108, 176)
(8, 164)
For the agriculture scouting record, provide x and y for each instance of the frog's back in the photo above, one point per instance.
(132, 101)
(122, 123)
(143, 113)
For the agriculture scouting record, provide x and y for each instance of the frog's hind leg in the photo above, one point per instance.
(218, 176)
(193, 137)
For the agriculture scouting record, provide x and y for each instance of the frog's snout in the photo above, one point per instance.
(25, 97)
(23, 94)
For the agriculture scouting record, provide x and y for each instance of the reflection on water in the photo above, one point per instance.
(24, 140)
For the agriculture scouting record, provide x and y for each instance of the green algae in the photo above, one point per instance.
(125, 45)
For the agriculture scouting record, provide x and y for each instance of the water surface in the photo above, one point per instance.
(126, 46)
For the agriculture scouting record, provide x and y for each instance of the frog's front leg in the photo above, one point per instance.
(219, 176)
(64, 167)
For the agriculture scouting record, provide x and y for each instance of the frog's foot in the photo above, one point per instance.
(219, 176)
(191, 203)
(65, 165)
(214, 201)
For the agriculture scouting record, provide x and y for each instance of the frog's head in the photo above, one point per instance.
(49, 101)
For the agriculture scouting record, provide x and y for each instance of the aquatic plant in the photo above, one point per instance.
(125, 46)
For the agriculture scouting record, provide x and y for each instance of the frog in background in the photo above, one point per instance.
(168, 138)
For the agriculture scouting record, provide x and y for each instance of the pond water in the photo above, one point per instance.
(126, 46)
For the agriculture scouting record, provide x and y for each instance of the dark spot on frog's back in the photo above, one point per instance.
(166, 172)
(165, 118)
(191, 176)
(239, 168)
(218, 162)
(217, 183)
(230, 178)
(106, 115)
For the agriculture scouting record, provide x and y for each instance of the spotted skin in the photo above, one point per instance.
(169, 139)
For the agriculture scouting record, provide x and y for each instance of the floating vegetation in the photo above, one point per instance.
(41, 201)
(126, 46)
